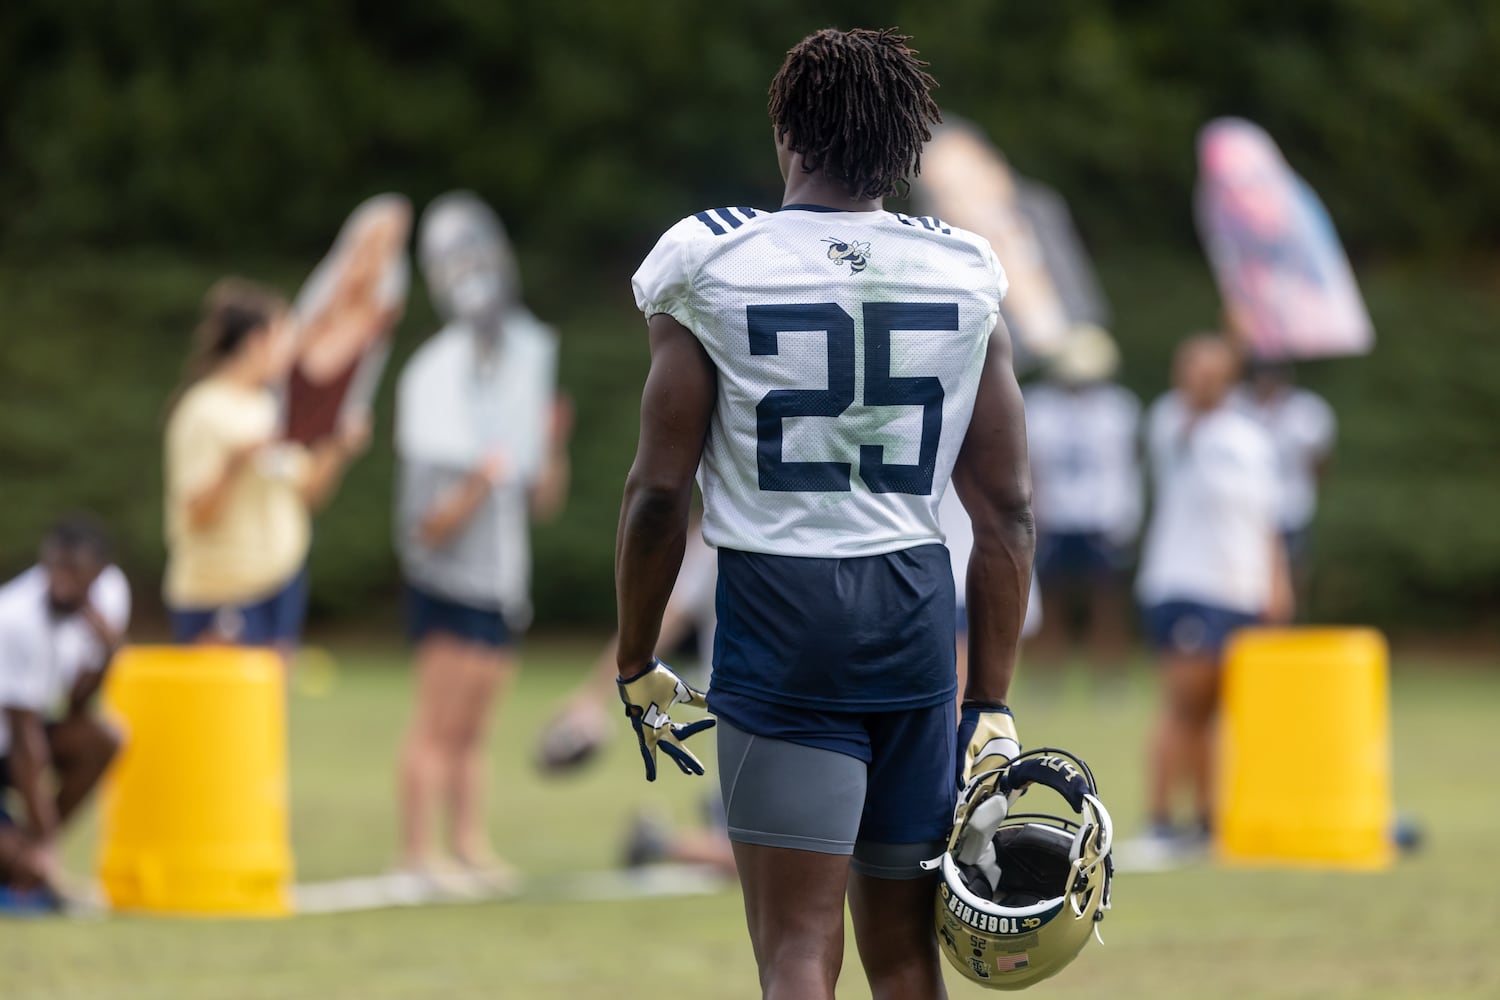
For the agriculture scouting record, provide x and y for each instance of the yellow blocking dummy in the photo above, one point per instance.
(1305, 750)
(195, 811)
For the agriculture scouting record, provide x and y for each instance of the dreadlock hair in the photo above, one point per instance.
(858, 105)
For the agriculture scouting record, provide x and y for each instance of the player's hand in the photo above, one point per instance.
(987, 743)
(987, 739)
(648, 697)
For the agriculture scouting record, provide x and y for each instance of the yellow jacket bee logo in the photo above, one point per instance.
(856, 255)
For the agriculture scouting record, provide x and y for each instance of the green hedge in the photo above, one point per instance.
(237, 134)
(1407, 533)
(234, 123)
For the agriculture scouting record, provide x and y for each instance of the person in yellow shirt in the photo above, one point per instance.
(238, 499)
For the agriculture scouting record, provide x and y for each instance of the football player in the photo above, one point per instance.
(825, 369)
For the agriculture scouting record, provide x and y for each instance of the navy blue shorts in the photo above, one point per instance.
(866, 634)
(277, 620)
(909, 755)
(1188, 628)
(1077, 556)
(427, 613)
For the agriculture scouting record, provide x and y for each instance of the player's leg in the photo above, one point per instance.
(82, 747)
(793, 815)
(908, 811)
(894, 931)
(794, 907)
(488, 674)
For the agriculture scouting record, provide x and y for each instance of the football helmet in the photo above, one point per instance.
(1020, 893)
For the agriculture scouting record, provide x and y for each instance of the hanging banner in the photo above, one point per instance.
(1286, 283)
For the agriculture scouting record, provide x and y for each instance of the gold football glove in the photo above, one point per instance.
(648, 697)
(987, 742)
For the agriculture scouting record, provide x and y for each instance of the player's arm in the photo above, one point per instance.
(676, 408)
(993, 479)
(29, 759)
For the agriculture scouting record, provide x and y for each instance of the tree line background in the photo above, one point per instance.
(147, 148)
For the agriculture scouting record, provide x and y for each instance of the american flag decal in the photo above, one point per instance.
(1010, 963)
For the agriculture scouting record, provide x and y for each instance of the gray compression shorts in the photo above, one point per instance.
(781, 794)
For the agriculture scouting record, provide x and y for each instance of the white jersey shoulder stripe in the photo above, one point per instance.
(720, 221)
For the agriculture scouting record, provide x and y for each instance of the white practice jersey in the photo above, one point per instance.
(1084, 468)
(1210, 535)
(849, 347)
(1302, 428)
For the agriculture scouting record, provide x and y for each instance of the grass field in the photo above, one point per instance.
(1424, 930)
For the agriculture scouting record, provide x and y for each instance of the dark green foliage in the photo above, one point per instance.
(239, 132)
(227, 123)
(1407, 533)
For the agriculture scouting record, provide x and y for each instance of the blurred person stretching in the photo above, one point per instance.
(1082, 431)
(1212, 563)
(1302, 427)
(580, 728)
(239, 501)
(60, 624)
(824, 370)
(481, 438)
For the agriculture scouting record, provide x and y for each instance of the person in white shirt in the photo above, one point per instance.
(1081, 430)
(1303, 428)
(1212, 561)
(482, 447)
(60, 623)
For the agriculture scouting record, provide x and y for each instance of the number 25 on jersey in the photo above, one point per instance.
(882, 388)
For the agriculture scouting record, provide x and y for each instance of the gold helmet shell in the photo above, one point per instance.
(1021, 893)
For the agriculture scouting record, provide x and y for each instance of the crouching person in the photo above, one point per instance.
(60, 624)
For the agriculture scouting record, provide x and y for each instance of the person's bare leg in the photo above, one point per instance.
(488, 674)
(702, 847)
(1202, 707)
(794, 906)
(893, 929)
(82, 748)
(423, 767)
(1174, 742)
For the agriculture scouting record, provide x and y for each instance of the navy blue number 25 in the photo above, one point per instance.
(881, 389)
